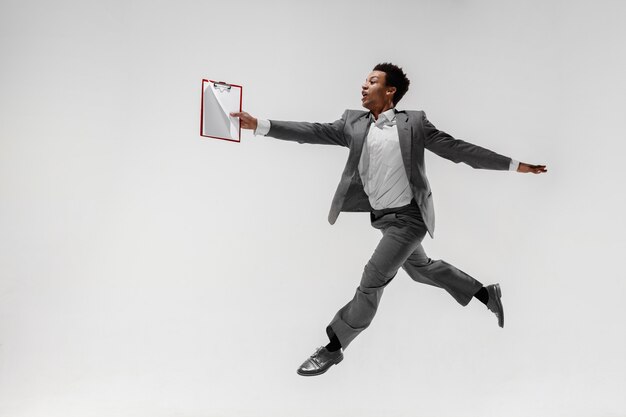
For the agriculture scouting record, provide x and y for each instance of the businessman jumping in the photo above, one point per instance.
(385, 176)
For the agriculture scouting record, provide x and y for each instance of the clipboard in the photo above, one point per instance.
(218, 100)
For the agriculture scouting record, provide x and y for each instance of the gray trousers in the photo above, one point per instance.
(403, 230)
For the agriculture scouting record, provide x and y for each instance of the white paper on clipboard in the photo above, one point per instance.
(219, 99)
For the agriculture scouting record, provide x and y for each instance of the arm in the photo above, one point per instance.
(301, 132)
(456, 150)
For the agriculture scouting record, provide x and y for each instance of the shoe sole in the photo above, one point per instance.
(499, 293)
(321, 372)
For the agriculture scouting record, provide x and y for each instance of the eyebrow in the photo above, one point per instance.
(373, 76)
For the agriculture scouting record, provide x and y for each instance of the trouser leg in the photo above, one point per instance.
(441, 274)
(401, 236)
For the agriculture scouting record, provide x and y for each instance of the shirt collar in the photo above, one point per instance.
(390, 114)
(387, 116)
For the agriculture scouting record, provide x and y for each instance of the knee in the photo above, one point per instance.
(422, 263)
(374, 278)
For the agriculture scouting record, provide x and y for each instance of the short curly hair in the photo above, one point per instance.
(394, 77)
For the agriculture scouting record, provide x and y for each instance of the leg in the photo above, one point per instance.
(460, 285)
(441, 274)
(399, 241)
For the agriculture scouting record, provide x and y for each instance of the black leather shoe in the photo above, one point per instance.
(320, 361)
(494, 303)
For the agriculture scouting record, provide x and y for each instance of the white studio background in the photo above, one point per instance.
(147, 271)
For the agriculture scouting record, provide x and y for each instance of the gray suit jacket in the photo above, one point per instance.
(415, 133)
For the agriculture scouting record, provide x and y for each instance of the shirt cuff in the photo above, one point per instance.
(262, 127)
(513, 165)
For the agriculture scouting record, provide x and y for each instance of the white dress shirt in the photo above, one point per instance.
(381, 167)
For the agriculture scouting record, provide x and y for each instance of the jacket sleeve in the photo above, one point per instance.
(307, 132)
(456, 150)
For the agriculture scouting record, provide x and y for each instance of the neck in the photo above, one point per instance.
(377, 111)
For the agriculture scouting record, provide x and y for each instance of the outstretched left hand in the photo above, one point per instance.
(535, 169)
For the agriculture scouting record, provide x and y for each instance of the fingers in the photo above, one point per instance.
(537, 169)
(530, 168)
(246, 121)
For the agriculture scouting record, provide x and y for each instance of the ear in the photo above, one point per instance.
(391, 90)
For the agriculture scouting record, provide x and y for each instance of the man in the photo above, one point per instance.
(385, 176)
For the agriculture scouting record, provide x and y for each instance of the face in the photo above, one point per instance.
(375, 94)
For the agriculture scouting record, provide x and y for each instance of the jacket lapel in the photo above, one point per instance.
(361, 128)
(404, 136)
